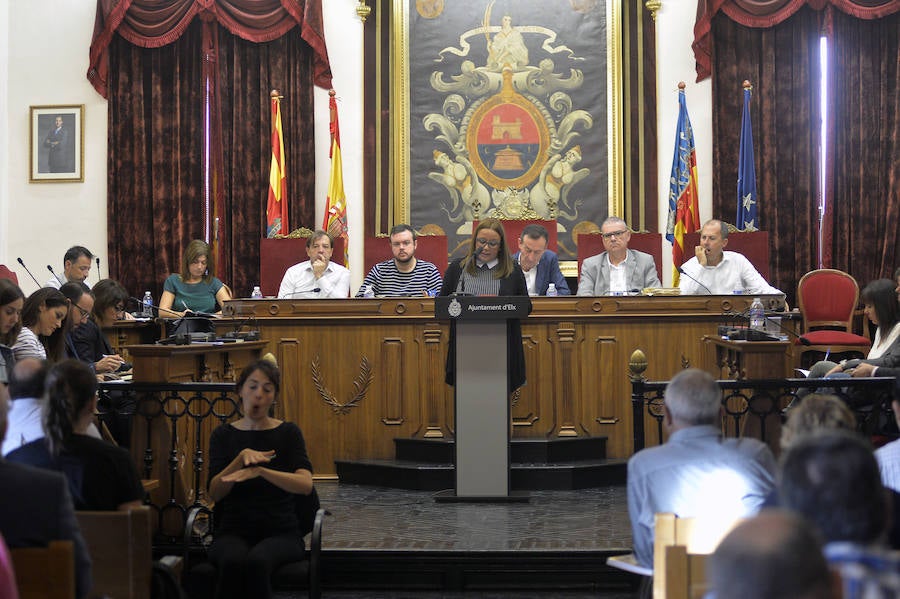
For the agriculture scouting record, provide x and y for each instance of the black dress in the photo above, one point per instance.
(514, 284)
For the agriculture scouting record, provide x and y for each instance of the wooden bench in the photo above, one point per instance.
(121, 550)
(45, 572)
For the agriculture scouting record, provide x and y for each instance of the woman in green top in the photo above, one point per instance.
(195, 289)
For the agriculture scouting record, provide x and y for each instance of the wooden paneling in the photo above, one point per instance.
(359, 372)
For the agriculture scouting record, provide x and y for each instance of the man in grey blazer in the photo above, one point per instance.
(618, 269)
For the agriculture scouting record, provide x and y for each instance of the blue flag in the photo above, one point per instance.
(747, 217)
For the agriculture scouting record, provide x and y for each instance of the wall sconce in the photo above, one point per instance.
(363, 10)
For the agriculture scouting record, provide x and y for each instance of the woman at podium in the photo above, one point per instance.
(488, 269)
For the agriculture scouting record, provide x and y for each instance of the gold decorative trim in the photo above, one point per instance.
(653, 6)
(400, 106)
(614, 80)
(363, 10)
(360, 384)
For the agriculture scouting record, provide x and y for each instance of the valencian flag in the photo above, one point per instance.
(336, 206)
(276, 208)
(747, 218)
(684, 208)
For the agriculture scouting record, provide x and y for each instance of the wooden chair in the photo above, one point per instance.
(827, 299)
(432, 248)
(694, 535)
(45, 572)
(753, 245)
(685, 574)
(6, 273)
(277, 255)
(121, 551)
(591, 244)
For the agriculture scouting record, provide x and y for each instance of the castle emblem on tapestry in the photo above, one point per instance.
(512, 121)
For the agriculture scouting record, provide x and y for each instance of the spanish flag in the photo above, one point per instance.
(276, 209)
(336, 206)
(684, 205)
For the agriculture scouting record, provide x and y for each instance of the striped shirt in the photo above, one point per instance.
(482, 282)
(387, 281)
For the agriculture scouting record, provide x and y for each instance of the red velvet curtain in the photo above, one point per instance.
(154, 160)
(782, 64)
(146, 92)
(863, 215)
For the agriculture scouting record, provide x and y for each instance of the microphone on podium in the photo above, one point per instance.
(22, 262)
(682, 271)
(293, 293)
(50, 268)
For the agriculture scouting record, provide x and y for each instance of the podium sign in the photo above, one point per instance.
(481, 404)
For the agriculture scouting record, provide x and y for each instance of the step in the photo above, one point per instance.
(555, 450)
(427, 476)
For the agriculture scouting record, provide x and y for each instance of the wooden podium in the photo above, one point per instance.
(481, 405)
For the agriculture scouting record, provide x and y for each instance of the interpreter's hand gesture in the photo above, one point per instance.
(251, 457)
(241, 475)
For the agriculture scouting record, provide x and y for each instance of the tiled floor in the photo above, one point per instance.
(377, 518)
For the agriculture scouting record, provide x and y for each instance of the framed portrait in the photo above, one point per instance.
(57, 144)
(503, 108)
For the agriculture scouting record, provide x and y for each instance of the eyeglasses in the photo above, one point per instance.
(119, 308)
(84, 313)
(615, 234)
(488, 242)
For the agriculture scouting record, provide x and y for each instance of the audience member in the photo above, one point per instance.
(618, 269)
(35, 508)
(195, 288)
(888, 455)
(715, 271)
(12, 300)
(832, 479)
(77, 263)
(26, 390)
(318, 277)
(696, 472)
(774, 555)
(404, 275)
(880, 299)
(258, 465)
(101, 475)
(488, 269)
(92, 346)
(540, 265)
(815, 413)
(44, 325)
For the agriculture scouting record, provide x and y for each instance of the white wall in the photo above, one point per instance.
(45, 61)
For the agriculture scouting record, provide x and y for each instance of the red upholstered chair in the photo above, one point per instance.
(827, 300)
(6, 273)
(277, 255)
(432, 248)
(513, 230)
(591, 244)
(754, 246)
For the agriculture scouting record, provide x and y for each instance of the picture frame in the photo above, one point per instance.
(421, 45)
(56, 144)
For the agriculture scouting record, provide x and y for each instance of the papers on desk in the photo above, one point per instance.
(805, 373)
(628, 563)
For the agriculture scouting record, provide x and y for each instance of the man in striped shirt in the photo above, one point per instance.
(404, 275)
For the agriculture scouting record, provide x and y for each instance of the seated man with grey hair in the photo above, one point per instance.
(697, 472)
(618, 269)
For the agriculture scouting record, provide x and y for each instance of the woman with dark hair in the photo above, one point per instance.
(90, 342)
(11, 302)
(44, 326)
(194, 289)
(258, 466)
(101, 476)
(489, 269)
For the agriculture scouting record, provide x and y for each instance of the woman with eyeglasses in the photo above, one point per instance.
(194, 289)
(489, 269)
(91, 345)
(44, 325)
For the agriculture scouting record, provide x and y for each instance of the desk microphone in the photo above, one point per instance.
(97, 258)
(50, 268)
(708, 290)
(292, 293)
(744, 316)
(22, 262)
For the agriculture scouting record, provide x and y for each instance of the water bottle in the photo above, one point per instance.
(757, 315)
(551, 290)
(256, 293)
(147, 305)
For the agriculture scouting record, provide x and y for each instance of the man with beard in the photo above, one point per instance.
(404, 275)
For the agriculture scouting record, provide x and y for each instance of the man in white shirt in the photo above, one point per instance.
(618, 269)
(76, 267)
(318, 277)
(26, 386)
(540, 265)
(713, 271)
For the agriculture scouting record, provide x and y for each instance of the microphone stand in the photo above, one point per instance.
(60, 281)
(682, 271)
(293, 293)
(22, 262)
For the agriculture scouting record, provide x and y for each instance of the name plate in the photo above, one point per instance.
(469, 307)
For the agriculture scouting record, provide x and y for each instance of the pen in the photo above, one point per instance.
(827, 353)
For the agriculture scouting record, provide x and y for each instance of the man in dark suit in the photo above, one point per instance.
(56, 143)
(36, 508)
(618, 269)
(540, 265)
